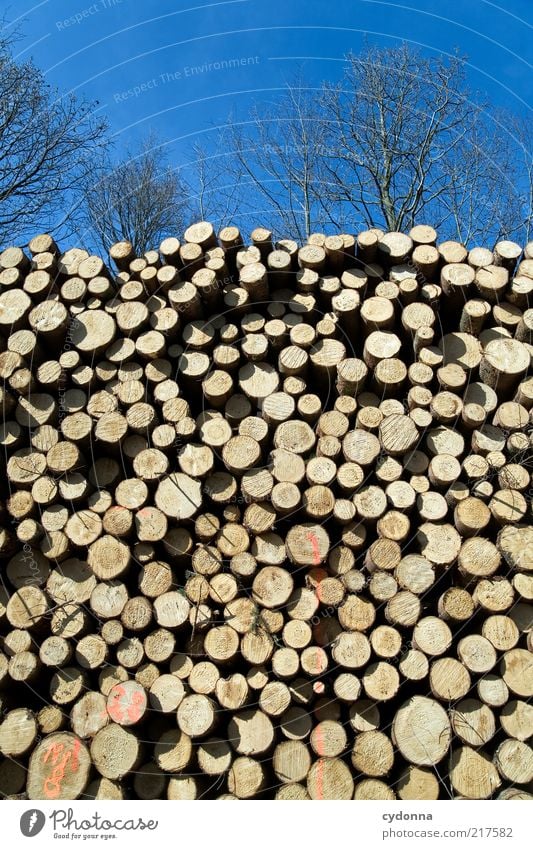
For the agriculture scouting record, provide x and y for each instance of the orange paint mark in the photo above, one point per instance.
(75, 761)
(54, 750)
(59, 760)
(122, 706)
(135, 709)
(316, 548)
(114, 707)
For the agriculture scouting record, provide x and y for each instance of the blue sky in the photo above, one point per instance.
(148, 63)
(178, 68)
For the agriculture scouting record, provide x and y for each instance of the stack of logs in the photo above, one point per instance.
(266, 519)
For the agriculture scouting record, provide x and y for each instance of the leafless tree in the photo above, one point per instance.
(407, 141)
(483, 200)
(520, 131)
(140, 199)
(48, 144)
(399, 140)
(212, 192)
(277, 161)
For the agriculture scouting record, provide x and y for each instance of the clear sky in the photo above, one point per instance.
(179, 66)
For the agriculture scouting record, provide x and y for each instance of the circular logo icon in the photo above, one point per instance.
(32, 822)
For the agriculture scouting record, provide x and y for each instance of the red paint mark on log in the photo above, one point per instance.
(59, 760)
(316, 548)
(122, 706)
(135, 709)
(114, 707)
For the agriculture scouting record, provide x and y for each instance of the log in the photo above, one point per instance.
(89, 714)
(504, 364)
(472, 774)
(418, 783)
(329, 778)
(449, 679)
(514, 761)
(18, 733)
(432, 740)
(59, 768)
(115, 751)
(473, 722)
(372, 754)
(246, 777)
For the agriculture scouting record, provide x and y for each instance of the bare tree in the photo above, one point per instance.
(482, 201)
(211, 189)
(140, 199)
(278, 163)
(407, 141)
(48, 144)
(520, 131)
